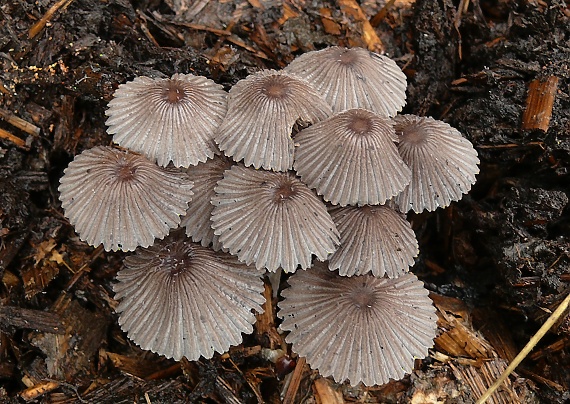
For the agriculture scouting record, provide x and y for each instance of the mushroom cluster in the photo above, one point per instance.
(308, 170)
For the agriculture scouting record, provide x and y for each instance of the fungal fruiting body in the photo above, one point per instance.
(168, 119)
(351, 158)
(363, 328)
(373, 239)
(443, 163)
(262, 110)
(353, 78)
(180, 299)
(197, 220)
(271, 219)
(365, 323)
(121, 199)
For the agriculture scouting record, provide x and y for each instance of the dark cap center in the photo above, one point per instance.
(173, 92)
(348, 57)
(275, 88)
(125, 170)
(360, 125)
(362, 297)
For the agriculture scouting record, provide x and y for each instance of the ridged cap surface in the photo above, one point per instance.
(180, 299)
(373, 239)
(354, 78)
(168, 119)
(262, 110)
(351, 158)
(198, 221)
(271, 219)
(121, 199)
(364, 329)
(443, 163)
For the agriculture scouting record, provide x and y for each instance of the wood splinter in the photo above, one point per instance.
(539, 102)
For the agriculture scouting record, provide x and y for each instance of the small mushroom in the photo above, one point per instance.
(271, 219)
(168, 119)
(262, 110)
(351, 158)
(180, 299)
(353, 78)
(373, 239)
(122, 199)
(363, 328)
(443, 163)
(197, 220)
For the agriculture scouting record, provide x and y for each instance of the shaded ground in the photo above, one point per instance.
(498, 262)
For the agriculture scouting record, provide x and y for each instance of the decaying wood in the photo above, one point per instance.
(4, 134)
(294, 381)
(39, 26)
(265, 330)
(369, 35)
(325, 393)
(19, 122)
(539, 103)
(480, 378)
(42, 321)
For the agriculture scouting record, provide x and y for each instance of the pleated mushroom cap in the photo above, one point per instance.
(373, 239)
(198, 221)
(443, 163)
(351, 159)
(121, 199)
(354, 78)
(271, 219)
(364, 329)
(262, 110)
(180, 299)
(168, 119)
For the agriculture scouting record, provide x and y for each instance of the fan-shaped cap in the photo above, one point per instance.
(181, 299)
(443, 163)
(272, 219)
(354, 78)
(122, 199)
(373, 239)
(363, 328)
(262, 110)
(198, 221)
(168, 119)
(351, 159)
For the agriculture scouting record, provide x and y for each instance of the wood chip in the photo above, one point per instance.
(539, 102)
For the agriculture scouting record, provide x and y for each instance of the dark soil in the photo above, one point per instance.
(503, 250)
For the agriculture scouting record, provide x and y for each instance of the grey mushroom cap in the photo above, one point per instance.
(180, 299)
(351, 158)
(197, 220)
(121, 199)
(262, 110)
(168, 119)
(443, 163)
(373, 239)
(353, 78)
(363, 328)
(271, 219)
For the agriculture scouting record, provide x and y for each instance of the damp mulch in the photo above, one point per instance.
(497, 263)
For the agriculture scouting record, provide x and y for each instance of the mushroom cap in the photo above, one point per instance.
(351, 159)
(271, 219)
(373, 239)
(353, 78)
(122, 199)
(178, 299)
(443, 163)
(262, 110)
(364, 329)
(168, 119)
(197, 220)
